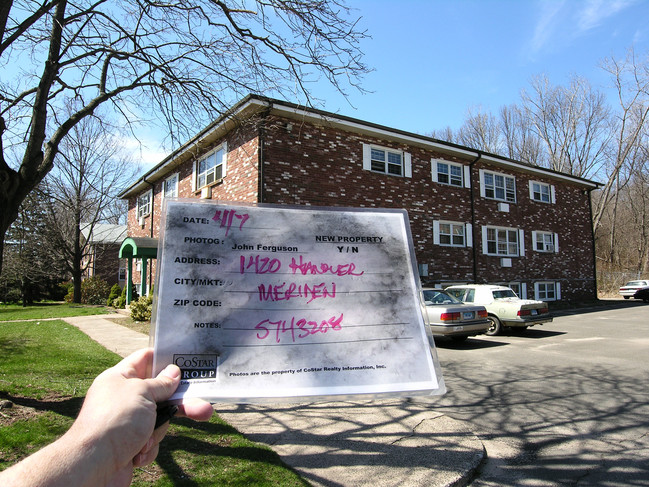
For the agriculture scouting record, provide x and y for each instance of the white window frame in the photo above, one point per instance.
(462, 180)
(549, 242)
(211, 171)
(543, 288)
(405, 161)
(550, 192)
(491, 191)
(173, 179)
(467, 233)
(144, 209)
(503, 247)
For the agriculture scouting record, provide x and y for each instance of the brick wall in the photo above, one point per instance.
(320, 165)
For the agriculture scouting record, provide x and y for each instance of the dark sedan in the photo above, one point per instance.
(642, 294)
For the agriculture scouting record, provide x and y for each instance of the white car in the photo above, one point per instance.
(504, 307)
(631, 287)
(448, 316)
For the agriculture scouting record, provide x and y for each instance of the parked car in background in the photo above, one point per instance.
(504, 307)
(642, 294)
(631, 287)
(448, 316)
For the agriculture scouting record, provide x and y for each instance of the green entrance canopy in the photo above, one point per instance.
(144, 248)
(139, 247)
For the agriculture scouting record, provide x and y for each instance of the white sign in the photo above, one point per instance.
(258, 303)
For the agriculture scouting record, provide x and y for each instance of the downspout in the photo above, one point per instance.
(474, 232)
(261, 135)
(592, 239)
(150, 269)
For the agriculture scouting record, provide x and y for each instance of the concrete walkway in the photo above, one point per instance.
(354, 443)
(116, 338)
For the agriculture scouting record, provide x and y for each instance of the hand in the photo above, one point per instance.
(119, 414)
(113, 433)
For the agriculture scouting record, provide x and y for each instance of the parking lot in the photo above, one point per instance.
(566, 403)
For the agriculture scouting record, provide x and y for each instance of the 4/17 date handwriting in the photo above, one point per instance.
(226, 217)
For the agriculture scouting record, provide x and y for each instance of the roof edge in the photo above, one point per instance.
(255, 103)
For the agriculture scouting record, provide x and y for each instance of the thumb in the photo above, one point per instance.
(165, 384)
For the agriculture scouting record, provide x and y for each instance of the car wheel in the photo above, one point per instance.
(626, 297)
(496, 326)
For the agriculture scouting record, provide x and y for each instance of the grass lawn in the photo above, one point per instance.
(47, 367)
(39, 311)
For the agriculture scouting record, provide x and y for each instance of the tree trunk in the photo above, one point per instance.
(76, 281)
(76, 262)
(11, 198)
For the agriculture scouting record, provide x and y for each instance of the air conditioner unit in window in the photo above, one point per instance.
(141, 221)
(206, 192)
(505, 262)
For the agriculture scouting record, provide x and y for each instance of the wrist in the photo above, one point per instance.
(90, 456)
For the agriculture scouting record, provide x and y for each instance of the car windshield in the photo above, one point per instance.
(504, 294)
(636, 283)
(439, 297)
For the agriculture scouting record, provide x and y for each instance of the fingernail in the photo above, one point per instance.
(171, 371)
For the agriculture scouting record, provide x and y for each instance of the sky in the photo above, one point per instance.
(433, 60)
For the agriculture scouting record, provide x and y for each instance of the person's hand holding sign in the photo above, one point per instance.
(114, 432)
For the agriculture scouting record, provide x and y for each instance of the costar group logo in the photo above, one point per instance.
(194, 366)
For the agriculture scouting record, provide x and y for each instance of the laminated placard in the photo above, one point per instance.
(259, 303)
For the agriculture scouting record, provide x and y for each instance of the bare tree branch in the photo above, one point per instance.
(180, 62)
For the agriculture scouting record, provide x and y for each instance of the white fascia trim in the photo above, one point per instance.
(358, 126)
(535, 170)
(190, 145)
(464, 152)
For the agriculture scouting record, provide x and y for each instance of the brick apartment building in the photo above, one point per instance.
(475, 217)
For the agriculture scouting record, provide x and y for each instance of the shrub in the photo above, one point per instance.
(115, 292)
(141, 309)
(120, 302)
(94, 291)
(68, 298)
(60, 290)
(13, 295)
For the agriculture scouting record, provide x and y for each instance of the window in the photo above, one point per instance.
(545, 241)
(144, 204)
(386, 161)
(518, 287)
(448, 173)
(547, 291)
(501, 241)
(470, 296)
(453, 234)
(211, 168)
(498, 186)
(170, 187)
(542, 192)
